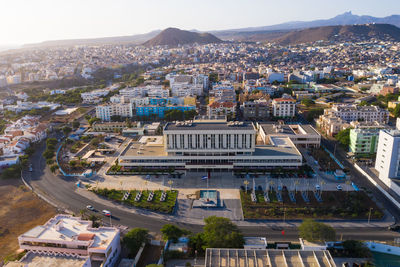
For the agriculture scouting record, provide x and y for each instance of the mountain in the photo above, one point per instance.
(174, 37)
(347, 18)
(131, 39)
(339, 33)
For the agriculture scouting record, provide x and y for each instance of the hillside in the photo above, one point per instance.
(174, 37)
(340, 33)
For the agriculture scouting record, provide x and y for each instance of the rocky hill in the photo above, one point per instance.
(174, 37)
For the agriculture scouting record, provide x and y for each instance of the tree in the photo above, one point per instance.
(307, 102)
(221, 233)
(128, 123)
(189, 114)
(396, 111)
(314, 113)
(313, 231)
(93, 120)
(53, 168)
(356, 249)
(213, 77)
(165, 83)
(67, 130)
(75, 124)
(344, 137)
(134, 239)
(172, 232)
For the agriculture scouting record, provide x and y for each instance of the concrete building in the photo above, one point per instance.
(301, 135)
(159, 111)
(210, 145)
(284, 106)
(388, 155)
(68, 235)
(351, 113)
(364, 140)
(221, 108)
(106, 111)
(259, 109)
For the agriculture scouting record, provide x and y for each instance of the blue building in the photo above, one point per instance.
(159, 111)
(166, 101)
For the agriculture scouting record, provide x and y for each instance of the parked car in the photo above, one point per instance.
(339, 187)
(30, 168)
(106, 213)
(317, 187)
(394, 227)
(90, 207)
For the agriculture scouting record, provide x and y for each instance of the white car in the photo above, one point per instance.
(90, 207)
(339, 187)
(106, 213)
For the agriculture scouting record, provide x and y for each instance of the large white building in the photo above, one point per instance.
(284, 106)
(148, 90)
(67, 235)
(105, 112)
(183, 90)
(388, 155)
(351, 113)
(210, 144)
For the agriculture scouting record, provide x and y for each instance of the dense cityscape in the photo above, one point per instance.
(185, 148)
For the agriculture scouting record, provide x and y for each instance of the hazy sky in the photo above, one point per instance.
(27, 21)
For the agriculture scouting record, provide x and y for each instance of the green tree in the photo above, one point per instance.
(172, 232)
(314, 113)
(213, 77)
(75, 124)
(313, 231)
(344, 137)
(128, 123)
(93, 120)
(356, 249)
(134, 239)
(53, 168)
(189, 114)
(307, 102)
(221, 233)
(48, 154)
(67, 130)
(396, 111)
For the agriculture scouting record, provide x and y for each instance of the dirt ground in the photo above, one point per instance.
(20, 210)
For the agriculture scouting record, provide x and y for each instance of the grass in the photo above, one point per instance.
(166, 206)
(335, 205)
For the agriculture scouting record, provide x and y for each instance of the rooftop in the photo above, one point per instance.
(32, 259)
(68, 228)
(288, 129)
(147, 146)
(205, 126)
(216, 257)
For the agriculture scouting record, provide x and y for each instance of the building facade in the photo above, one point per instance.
(284, 107)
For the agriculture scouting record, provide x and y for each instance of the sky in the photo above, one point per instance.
(32, 21)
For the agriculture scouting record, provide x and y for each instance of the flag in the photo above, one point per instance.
(205, 177)
(283, 232)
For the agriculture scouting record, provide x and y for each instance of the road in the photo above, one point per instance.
(60, 190)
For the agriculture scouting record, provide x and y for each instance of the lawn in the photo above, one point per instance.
(166, 206)
(335, 205)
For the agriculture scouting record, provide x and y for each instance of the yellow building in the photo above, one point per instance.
(189, 101)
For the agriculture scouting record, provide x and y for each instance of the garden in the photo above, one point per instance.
(166, 206)
(334, 205)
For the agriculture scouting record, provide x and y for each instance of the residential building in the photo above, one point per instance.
(159, 111)
(331, 125)
(364, 139)
(68, 235)
(259, 109)
(221, 108)
(350, 112)
(284, 106)
(106, 111)
(183, 90)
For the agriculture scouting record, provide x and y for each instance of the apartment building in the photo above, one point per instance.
(183, 90)
(259, 109)
(68, 235)
(352, 112)
(221, 108)
(284, 106)
(364, 141)
(106, 111)
(143, 91)
(159, 111)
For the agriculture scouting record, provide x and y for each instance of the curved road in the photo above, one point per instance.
(60, 191)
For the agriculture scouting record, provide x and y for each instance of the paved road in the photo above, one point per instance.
(60, 190)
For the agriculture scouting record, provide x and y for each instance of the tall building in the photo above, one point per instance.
(364, 141)
(284, 106)
(387, 161)
(105, 112)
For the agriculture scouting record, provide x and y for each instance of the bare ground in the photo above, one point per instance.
(20, 210)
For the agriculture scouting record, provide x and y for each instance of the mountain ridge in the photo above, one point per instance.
(175, 37)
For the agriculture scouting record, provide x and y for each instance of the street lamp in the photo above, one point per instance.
(246, 183)
(170, 182)
(369, 215)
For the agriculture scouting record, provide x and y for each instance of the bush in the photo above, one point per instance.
(134, 239)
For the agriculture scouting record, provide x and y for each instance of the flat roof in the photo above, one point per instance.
(216, 257)
(278, 151)
(288, 129)
(255, 241)
(68, 228)
(204, 126)
(150, 149)
(32, 259)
